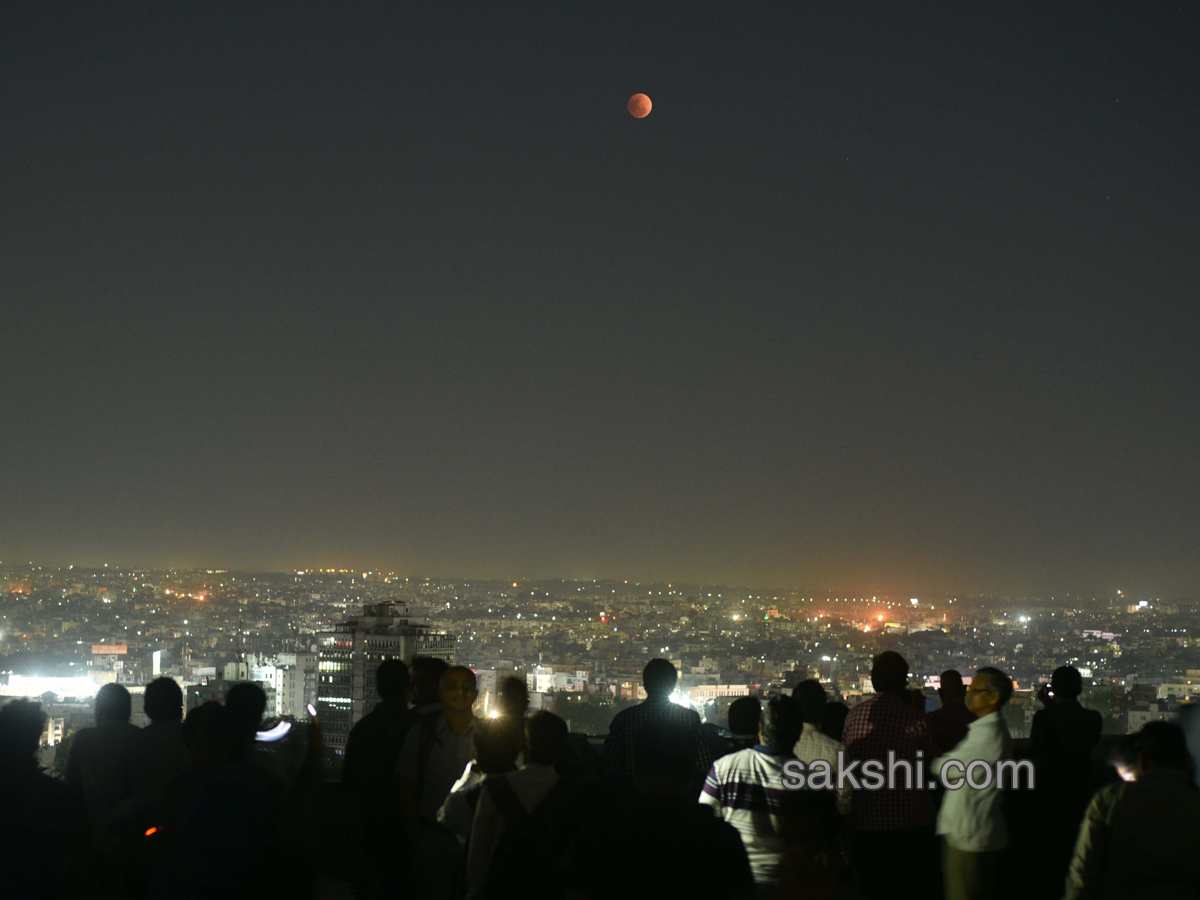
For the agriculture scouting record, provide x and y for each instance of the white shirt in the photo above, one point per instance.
(972, 819)
(815, 744)
(456, 812)
(531, 783)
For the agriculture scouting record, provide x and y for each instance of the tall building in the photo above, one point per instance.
(350, 654)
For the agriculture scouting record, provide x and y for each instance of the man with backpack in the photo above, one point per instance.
(515, 817)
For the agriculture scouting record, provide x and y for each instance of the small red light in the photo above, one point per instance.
(150, 831)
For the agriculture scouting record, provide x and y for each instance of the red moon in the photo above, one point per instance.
(639, 106)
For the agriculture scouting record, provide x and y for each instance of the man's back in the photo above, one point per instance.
(373, 748)
(622, 735)
(97, 773)
(155, 757)
(746, 790)
(1065, 733)
(877, 725)
(658, 832)
(949, 724)
(815, 745)
(529, 786)
(1139, 840)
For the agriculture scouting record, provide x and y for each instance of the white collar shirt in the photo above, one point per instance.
(972, 819)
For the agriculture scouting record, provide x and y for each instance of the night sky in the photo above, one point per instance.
(880, 296)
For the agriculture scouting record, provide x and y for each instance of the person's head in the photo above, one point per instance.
(659, 677)
(781, 724)
(546, 736)
(458, 689)
(1066, 683)
(427, 672)
(21, 725)
(889, 673)
(744, 714)
(392, 681)
(833, 720)
(1162, 745)
(990, 689)
(664, 756)
(952, 689)
(245, 704)
(113, 704)
(211, 737)
(164, 700)
(497, 745)
(512, 697)
(811, 698)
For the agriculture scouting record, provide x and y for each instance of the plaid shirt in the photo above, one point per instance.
(622, 736)
(878, 724)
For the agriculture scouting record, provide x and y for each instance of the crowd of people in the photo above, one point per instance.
(436, 802)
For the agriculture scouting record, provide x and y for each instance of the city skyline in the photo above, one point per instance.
(871, 297)
(897, 594)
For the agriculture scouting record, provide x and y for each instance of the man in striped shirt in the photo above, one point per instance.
(746, 788)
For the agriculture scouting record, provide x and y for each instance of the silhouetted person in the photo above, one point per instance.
(508, 804)
(498, 744)
(1062, 737)
(41, 838)
(512, 698)
(426, 673)
(814, 744)
(833, 720)
(813, 834)
(746, 788)
(369, 774)
(658, 678)
(96, 770)
(892, 828)
(374, 744)
(435, 755)
(225, 790)
(949, 723)
(1140, 838)
(971, 820)
(670, 845)
(157, 754)
(743, 717)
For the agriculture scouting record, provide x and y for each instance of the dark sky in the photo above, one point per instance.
(879, 296)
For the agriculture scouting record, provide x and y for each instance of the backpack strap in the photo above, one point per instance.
(506, 800)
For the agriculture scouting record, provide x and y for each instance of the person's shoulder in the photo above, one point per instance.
(820, 738)
(366, 723)
(732, 761)
(622, 717)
